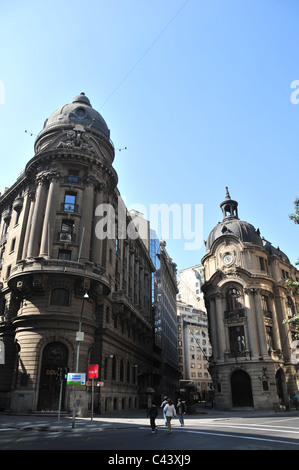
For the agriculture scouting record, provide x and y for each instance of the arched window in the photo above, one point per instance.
(232, 300)
(121, 371)
(113, 375)
(128, 372)
(60, 296)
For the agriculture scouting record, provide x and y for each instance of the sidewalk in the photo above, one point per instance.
(122, 419)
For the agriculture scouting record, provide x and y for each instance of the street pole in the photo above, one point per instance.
(60, 395)
(79, 338)
(92, 398)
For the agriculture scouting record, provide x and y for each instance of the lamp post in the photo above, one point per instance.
(79, 338)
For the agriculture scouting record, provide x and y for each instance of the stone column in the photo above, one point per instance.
(220, 325)
(276, 336)
(260, 322)
(97, 243)
(285, 332)
(37, 218)
(251, 323)
(213, 328)
(30, 202)
(50, 215)
(87, 211)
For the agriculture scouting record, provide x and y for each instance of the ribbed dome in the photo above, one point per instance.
(79, 111)
(231, 225)
(239, 228)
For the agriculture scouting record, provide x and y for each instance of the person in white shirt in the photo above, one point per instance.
(164, 402)
(169, 411)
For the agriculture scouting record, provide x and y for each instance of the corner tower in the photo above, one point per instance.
(53, 254)
(246, 300)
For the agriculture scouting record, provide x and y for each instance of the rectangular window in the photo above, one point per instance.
(8, 271)
(73, 177)
(237, 338)
(262, 264)
(64, 254)
(13, 243)
(69, 204)
(67, 230)
(269, 337)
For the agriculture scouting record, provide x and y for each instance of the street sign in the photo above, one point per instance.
(75, 379)
(79, 336)
(96, 384)
(93, 371)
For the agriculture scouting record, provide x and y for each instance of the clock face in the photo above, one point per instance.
(227, 258)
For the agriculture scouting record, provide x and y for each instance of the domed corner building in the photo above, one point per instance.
(72, 292)
(254, 362)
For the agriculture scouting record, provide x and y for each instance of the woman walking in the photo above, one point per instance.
(169, 411)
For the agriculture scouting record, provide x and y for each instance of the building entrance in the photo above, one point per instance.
(241, 389)
(54, 355)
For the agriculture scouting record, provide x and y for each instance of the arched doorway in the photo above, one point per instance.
(241, 389)
(280, 386)
(54, 355)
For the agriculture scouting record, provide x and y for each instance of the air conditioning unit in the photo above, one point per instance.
(65, 237)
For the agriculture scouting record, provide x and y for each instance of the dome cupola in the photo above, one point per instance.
(232, 225)
(79, 111)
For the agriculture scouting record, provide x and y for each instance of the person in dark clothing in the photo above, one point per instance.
(152, 414)
(181, 410)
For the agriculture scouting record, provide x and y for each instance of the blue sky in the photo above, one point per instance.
(198, 91)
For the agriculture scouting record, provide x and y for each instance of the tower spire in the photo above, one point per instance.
(228, 206)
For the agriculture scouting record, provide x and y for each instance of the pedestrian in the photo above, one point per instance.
(181, 410)
(152, 414)
(295, 401)
(169, 410)
(162, 406)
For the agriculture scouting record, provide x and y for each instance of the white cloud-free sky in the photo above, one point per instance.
(198, 91)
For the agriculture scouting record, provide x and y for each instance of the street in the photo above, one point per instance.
(274, 432)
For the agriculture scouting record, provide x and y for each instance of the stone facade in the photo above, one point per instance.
(253, 362)
(63, 233)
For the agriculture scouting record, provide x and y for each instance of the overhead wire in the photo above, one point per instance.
(145, 52)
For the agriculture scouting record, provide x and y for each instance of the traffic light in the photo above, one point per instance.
(61, 373)
(66, 371)
(58, 373)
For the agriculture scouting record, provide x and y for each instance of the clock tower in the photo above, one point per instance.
(247, 300)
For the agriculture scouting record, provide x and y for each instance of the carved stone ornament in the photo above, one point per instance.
(77, 139)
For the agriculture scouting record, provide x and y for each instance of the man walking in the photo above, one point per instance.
(152, 414)
(181, 410)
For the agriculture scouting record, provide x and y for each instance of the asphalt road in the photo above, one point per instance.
(232, 433)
